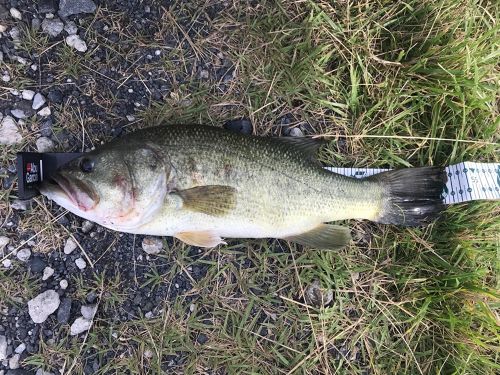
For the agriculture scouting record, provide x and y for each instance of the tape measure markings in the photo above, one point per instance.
(467, 181)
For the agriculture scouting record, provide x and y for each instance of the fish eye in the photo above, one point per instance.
(86, 165)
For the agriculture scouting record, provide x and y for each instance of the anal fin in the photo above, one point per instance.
(201, 238)
(324, 236)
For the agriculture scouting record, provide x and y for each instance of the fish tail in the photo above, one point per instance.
(412, 197)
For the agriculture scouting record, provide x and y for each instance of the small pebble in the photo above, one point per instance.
(14, 362)
(7, 263)
(71, 28)
(88, 311)
(28, 94)
(16, 14)
(80, 325)
(44, 144)
(80, 263)
(23, 255)
(47, 272)
(130, 118)
(87, 226)
(38, 101)
(296, 132)
(44, 112)
(152, 245)
(75, 42)
(20, 348)
(43, 305)
(63, 284)
(6, 77)
(69, 246)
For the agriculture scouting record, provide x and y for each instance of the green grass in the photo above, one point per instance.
(394, 84)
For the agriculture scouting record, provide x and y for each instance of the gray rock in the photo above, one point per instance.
(46, 6)
(16, 14)
(22, 109)
(23, 254)
(3, 348)
(38, 101)
(315, 295)
(71, 28)
(19, 113)
(46, 128)
(35, 24)
(80, 263)
(69, 246)
(52, 27)
(14, 361)
(87, 226)
(75, 42)
(64, 311)
(152, 245)
(44, 112)
(88, 311)
(20, 348)
(44, 144)
(42, 372)
(80, 325)
(296, 132)
(69, 7)
(20, 205)
(43, 305)
(47, 272)
(9, 132)
(4, 241)
(27, 94)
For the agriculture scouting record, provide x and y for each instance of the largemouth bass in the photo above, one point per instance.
(201, 184)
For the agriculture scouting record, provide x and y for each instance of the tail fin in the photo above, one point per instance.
(413, 195)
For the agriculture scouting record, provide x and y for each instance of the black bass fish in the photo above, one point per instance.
(201, 184)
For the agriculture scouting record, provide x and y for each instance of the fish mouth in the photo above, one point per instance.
(76, 191)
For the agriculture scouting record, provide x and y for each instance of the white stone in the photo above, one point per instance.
(43, 305)
(44, 144)
(38, 101)
(18, 113)
(71, 28)
(53, 27)
(69, 246)
(80, 325)
(63, 284)
(9, 132)
(4, 241)
(88, 311)
(20, 348)
(75, 42)
(16, 14)
(6, 77)
(7, 263)
(3, 28)
(23, 255)
(296, 132)
(44, 112)
(152, 245)
(3, 348)
(14, 92)
(14, 361)
(34, 67)
(47, 272)
(148, 353)
(28, 94)
(130, 118)
(80, 263)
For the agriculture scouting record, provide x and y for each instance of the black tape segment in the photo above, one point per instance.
(34, 167)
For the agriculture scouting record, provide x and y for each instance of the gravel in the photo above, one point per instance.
(38, 101)
(80, 263)
(63, 284)
(69, 246)
(9, 132)
(70, 7)
(64, 311)
(43, 305)
(16, 14)
(28, 94)
(76, 42)
(23, 254)
(3, 347)
(37, 264)
(88, 311)
(152, 245)
(47, 272)
(80, 325)
(20, 348)
(52, 27)
(44, 144)
(14, 361)
(71, 28)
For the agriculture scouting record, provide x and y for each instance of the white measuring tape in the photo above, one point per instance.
(467, 181)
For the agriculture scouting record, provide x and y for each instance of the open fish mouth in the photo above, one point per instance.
(77, 192)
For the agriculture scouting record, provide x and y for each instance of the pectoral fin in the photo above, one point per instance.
(324, 236)
(201, 239)
(215, 200)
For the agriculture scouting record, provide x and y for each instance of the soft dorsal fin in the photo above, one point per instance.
(308, 146)
(201, 238)
(215, 200)
(324, 236)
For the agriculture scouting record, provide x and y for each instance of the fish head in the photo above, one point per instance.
(118, 187)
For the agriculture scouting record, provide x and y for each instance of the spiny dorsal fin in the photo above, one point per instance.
(309, 146)
(324, 236)
(215, 200)
(201, 239)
